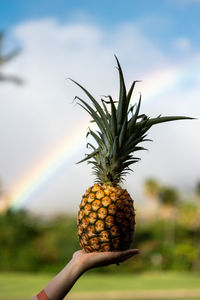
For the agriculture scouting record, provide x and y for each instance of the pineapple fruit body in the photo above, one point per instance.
(106, 219)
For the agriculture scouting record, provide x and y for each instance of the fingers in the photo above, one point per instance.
(120, 256)
(126, 254)
(131, 252)
(99, 259)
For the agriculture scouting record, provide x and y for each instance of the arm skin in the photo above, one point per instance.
(81, 261)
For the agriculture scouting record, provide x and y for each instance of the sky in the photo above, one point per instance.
(43, 132)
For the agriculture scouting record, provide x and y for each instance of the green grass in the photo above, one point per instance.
(145, 281)
(14, 286)
(20, 286)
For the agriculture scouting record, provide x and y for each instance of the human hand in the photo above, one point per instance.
(101, 259)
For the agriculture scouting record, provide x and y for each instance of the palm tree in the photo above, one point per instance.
(198, 189)
(152, 189)
(169, 196)
(196, 263)
(4, 58)
(164, 205)
(4, 201)
(170, 200)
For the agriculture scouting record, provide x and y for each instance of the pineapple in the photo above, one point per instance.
(106, 219)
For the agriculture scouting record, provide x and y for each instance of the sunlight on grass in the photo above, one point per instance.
(22, 286)
(146, 281)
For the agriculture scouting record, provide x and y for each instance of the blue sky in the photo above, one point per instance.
(156, 42)
(163, 20)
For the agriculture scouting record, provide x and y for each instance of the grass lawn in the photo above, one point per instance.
(145, 281)
(20, 286)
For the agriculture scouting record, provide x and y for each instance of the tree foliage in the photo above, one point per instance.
(28, 243)
(4, 59)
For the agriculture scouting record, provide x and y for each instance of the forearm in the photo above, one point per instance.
(61, 284)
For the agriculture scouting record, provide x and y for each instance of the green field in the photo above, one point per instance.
(20, 286)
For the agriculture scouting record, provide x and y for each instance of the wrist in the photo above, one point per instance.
(77, 267)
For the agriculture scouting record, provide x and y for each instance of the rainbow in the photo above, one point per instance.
(33, 179)
(44, 170)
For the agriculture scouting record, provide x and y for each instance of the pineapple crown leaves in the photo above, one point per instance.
(121, 129)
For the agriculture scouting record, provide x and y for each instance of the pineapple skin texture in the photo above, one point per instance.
(106, 219)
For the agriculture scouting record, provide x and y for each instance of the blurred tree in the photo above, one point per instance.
(169, 199)
(5, 58)
(188, 215)
(169, 196)
(196, 262)
(1, 188)
(164, 206)
(152, 188)
(198, 189)
(29, 243)
(4, 200)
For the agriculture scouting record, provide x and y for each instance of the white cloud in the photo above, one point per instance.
(182, 43)
(36, 117)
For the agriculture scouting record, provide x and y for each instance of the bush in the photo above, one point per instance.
(31, 244)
